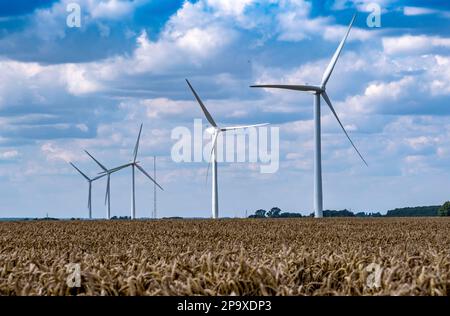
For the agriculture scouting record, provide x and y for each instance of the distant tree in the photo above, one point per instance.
(274, 212)
(414, 211)
(363, 214)
(260, 213)
(121, 217)
(342, 213)
(290, 215)
(444, 210)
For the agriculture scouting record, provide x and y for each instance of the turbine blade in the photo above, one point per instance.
(99, 177)
(207, 171)
(85, 176)
(136, 147)
(290, 87)
(148, 176)
(327, 100)
(205, 111)
(214, 144)
(230, 128)
(98, 163)
(107, 189)
(117, 168)
(329, 70)
(89, 195)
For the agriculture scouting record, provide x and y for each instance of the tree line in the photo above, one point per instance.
(420, 211)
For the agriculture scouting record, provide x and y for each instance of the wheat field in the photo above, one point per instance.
(383, 256)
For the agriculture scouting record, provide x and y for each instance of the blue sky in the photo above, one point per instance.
(64, 89)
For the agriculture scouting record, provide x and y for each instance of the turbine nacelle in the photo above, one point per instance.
(212, 130)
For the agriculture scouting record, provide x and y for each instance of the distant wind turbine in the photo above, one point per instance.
(134, 164)
(215, 130)
(319, 91)
(108, 173)
(89, 180)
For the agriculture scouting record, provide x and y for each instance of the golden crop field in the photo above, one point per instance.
(385, 256)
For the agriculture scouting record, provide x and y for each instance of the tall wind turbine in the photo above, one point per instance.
(89, 180)
(215, 130)
(134, 164)
(319, 91)
(108, 173)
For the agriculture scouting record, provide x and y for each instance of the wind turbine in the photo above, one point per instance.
(134, 164)
(89, 180)
(215, 130)
(319, 91)
(108, 184)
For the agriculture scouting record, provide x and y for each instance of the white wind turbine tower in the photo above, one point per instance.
(319, 91)
(108, 173)
(215, 130)
(89, 180)
(134, 164)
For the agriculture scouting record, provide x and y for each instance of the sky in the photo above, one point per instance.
(64, 90)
